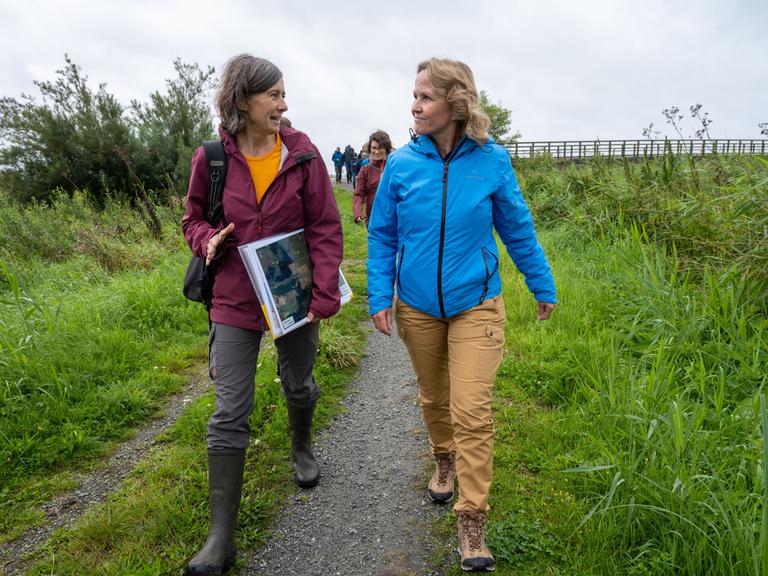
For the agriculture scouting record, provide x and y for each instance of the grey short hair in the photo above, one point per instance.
(244, 75)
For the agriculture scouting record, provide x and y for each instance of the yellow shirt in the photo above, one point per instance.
(264, 168)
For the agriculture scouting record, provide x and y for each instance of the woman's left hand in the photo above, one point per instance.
(544, 310)
(311, 318)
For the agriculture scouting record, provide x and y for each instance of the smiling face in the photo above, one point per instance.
(431, 112)
(378, 152)
(265, 109)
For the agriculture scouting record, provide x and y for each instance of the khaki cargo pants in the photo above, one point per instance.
(455, 360)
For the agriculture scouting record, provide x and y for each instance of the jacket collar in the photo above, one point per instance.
(296, 145)
(426, 146)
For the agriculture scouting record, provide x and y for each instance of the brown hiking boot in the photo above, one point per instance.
(440, 487)
(473, 553)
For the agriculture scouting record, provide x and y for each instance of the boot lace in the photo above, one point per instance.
(472, 528)
(444, 465)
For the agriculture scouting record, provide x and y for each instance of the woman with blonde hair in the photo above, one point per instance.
(431, 234)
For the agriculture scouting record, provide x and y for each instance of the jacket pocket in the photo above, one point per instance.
(491, 264)
(399, 268)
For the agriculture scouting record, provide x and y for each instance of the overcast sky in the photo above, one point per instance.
(568, 69)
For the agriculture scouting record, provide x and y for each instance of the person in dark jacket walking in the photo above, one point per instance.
(276, 182)
(431, 235)
(355, 169)
(349, 158)
(338, 163)
(380, 146)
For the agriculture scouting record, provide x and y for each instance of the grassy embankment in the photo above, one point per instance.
(631, 427)
(95, 333)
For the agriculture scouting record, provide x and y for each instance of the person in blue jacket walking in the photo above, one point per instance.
(338, 163)
(431, 237)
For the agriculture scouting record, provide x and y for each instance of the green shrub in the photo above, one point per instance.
(81, 139)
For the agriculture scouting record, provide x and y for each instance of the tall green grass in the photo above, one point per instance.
(651, 373)
(92, 332)
(671, 405)
(711, 211)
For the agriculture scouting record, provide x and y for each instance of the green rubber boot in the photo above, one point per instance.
(306, 472)
(225, 480)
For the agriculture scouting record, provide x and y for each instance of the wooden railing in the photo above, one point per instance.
(580, 149)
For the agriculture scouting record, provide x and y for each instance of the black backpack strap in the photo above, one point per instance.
(217, 175)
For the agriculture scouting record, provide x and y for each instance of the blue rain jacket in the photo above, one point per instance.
(431, 229)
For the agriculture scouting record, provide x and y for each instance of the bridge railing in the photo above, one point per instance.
(633, 149)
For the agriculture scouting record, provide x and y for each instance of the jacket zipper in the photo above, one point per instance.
(399, 268)
(446, 161)
(260, 205)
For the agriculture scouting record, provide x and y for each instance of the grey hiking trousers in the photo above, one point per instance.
(232, 357)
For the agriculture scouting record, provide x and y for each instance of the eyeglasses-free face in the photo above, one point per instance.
(265, 109)
(431, 111)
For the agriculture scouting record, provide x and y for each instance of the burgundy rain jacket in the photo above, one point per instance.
(365, 189)
(301, 196)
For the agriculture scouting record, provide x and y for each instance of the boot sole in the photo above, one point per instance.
(439, 498)
(212, 570)
(307, 483)
(491, 568)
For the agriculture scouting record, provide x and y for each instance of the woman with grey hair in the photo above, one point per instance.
(276, 182)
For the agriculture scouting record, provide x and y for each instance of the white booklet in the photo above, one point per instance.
(281, 273)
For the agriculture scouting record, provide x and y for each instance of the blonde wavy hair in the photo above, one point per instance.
(455, 81)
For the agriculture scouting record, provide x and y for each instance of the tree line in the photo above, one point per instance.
(76, 138)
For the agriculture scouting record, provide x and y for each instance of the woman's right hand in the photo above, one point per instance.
(216, 239)
(382, 321)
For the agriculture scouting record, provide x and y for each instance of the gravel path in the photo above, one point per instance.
(94, 486)
(369, 515)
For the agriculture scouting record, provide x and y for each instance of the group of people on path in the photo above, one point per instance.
(433, 266)
(350, 161)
